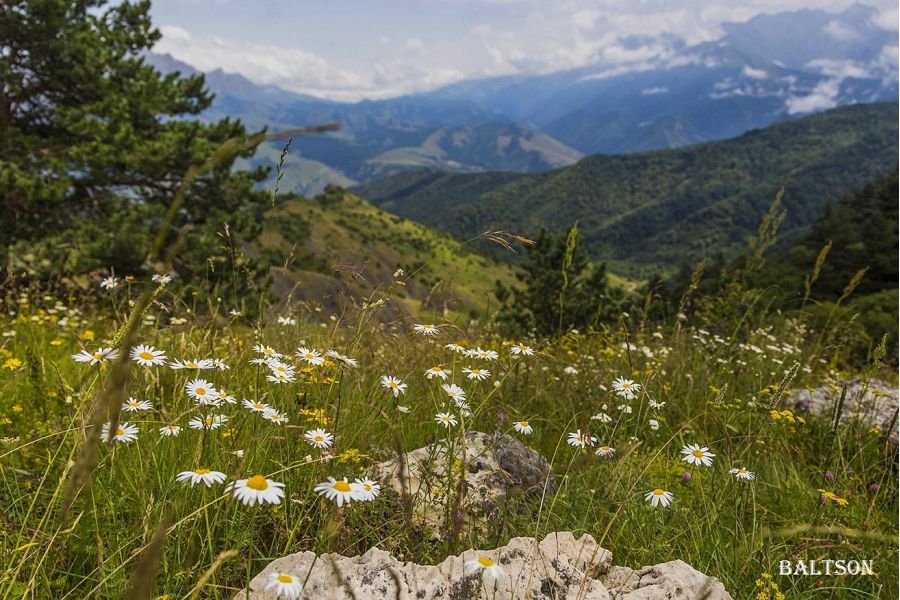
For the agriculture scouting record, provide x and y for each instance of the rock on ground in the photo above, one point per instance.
(873, 405)
(560, 567)
(497, 467)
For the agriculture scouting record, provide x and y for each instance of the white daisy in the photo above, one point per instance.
(202, 391)
(477, 374)
(275, 416)
(109, 283)
(161, 278)
(125, 432)
(393, 385)
(523, 427)
(484, 354)
(695, 455)
(654, 404)
(257, 489)
(197, 364)
(521, 349)
(267, 351)
(99, 355)
(659, 496)
(338, 490)
(148, 356)
(281, 377)
(256, 406)
(742, 473)
(366, 489)
(207, 422)
(455, 392)
(581, 440)
(204, 476)
(445, 419)
(170, 430)
(311, 356)
(135, 405)
(455, 348)
(426, 329)
(318, 438)
(606, 451)
(223, 396)
(436, 372)
(284, 585)
(488, 567)
(626, 388)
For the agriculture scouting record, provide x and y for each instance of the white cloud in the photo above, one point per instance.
(841, 32)
(752, 73)
(839, 69)
(822, 97)
(652, 91)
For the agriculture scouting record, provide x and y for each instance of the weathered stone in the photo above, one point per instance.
(873, 405)
(559, 567)
(665, 581)
(496, 467)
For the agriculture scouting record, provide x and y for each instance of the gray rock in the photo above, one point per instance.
(497, 467)
(871, 406)
(665, 581)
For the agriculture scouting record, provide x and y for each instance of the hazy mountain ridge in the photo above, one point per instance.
(656, 210)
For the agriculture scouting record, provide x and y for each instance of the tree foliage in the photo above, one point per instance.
(94, 143)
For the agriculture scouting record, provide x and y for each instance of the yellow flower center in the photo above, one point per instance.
(200, 391)
(285, 579)
(341, 486)
(658, 492)
(367, 487)
(192, 365)
(120, 431)
(523, 423)
(698, 453)
(209, 420)
(201, 471)
(257, 482)
(484, 561)
(318, 439)
(96, 355)
(145, 355)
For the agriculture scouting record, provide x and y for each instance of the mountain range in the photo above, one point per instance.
(767, 69)
(651, 212)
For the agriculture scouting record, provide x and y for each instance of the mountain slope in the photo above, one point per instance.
(338, 244)
(655, 210)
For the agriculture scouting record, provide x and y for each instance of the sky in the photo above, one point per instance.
(355, 49)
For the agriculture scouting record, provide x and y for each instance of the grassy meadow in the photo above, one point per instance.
(83, 517)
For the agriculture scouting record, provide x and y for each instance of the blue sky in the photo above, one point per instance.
(353, 49)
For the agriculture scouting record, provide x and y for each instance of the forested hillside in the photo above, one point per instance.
(652, 211)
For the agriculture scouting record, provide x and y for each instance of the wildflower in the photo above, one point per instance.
(161, 279)
(97, 356)
(826, 495)
(581, 440)
(338, 490)
(267, 351)
(695, 455)
(208, 422)
(445, 419)
(606, 451)
(523, 427)
(202, 391)
(570, 370)
(318, 438)
(521, 349)
(455, 348)
(196, 364)
(654, 424)
(393, 385)
(403, 409)
(626, 409)
(125, 432)
(281, 377)
(426, 329)
(256, 406)
(223, 396)
(170, 430)
(109, 283)
(486, 565)
(284, 585)
(148, 356)
(350, 362)
(311, 356)
(257, 489)
(287, 321)
(455, 392)
(275, 416)
(366, 489)
(134, 405)
(659, 496)
(484, 354)
(654, 404)
(602, 417)
(626, 388)
(742, 473)
(477, 374)
(204, 476)
(279, 368)
(220, 364)
(436, 372)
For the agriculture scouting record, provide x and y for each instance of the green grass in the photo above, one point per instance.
(716, 391)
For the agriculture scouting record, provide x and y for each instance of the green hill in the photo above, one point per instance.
(652, 211)
(337, 244)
